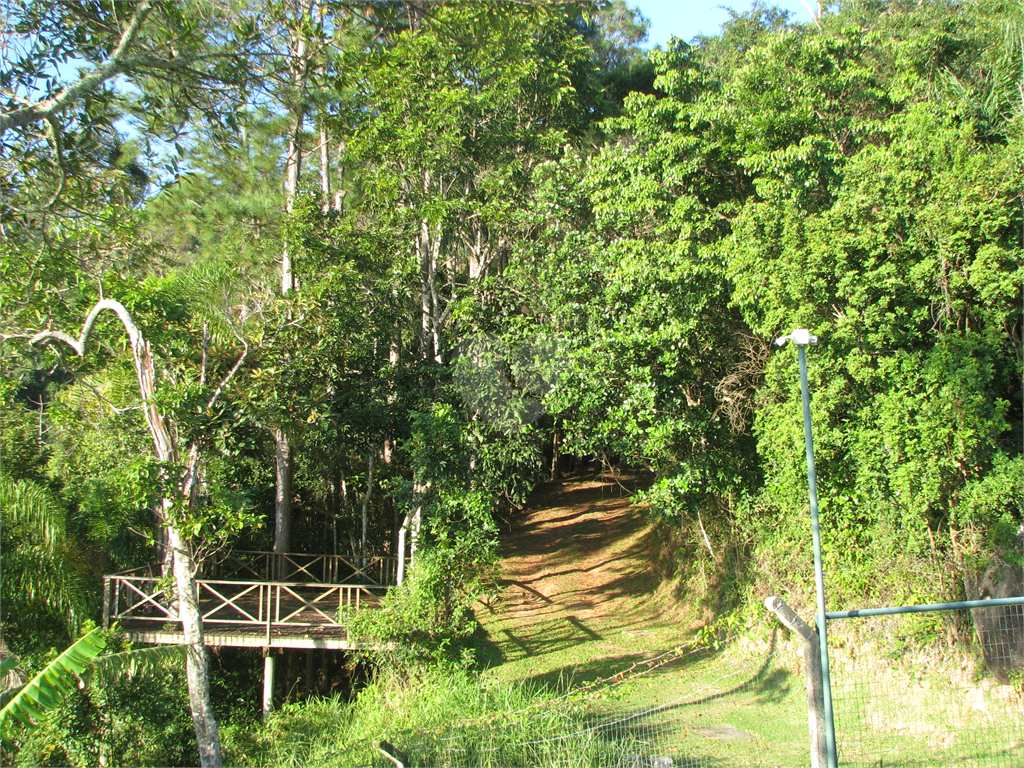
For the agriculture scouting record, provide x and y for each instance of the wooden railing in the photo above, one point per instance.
(290, 566)
(141, 595)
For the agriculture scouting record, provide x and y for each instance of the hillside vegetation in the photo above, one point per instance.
(349, 277)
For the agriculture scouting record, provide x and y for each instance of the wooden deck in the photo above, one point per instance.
(305, 606)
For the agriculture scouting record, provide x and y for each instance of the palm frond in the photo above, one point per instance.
(31, 510)
(52, 684)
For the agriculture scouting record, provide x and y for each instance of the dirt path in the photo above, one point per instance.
(581, 601)
(579, 594)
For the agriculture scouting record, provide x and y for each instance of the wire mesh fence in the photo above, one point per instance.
(695, 712)
(930, 689)
(941, 688)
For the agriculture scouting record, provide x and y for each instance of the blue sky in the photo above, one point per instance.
(688, 18)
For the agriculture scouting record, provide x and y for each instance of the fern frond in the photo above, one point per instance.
(129, 664)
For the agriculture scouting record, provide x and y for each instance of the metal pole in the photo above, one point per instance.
(819, 579)
(994, 602)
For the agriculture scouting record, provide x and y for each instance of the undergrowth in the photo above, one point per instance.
(440, 717)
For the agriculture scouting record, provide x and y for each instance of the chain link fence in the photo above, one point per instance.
(691, 707)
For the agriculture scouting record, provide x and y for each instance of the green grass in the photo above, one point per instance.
(452, 718)
(460, 718)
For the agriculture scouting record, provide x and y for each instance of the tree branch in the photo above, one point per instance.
(113, 66)
(114, 408)
(230, 375)
(79, 344)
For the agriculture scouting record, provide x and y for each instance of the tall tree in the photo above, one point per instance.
(61, 141)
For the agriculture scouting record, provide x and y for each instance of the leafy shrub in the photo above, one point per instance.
(428, 618)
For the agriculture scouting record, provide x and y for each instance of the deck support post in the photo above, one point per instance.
(268, 681)
(402, 531)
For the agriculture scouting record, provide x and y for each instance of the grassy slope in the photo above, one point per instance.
(581, 600)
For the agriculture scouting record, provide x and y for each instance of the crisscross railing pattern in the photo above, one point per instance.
(141, 596)
(307, 568)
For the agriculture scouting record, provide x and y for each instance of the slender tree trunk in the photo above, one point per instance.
(182, 565)
(427, 277)
(299, 72)
(414, 532)
(340, 170)
(325, 171)
(293, 168)
(436, 308)
(394, 357)
(283, 495)
(403, 531)
(197, 670)
(556, 452)
(366, 504)
(416, 523)
(428, 248)
(293, 163)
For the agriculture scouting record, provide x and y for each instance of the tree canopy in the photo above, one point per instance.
(509, 238)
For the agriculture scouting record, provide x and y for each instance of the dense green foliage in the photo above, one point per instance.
(516, 238)
(133, 712)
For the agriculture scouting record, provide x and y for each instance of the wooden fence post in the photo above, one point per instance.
(268, 681)
(812, 663)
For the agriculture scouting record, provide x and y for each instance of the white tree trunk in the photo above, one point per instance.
(283, 492)
(182, 565)
(428, 251)
(197, 670)
(427, 265)
(293, 169)
(402, 532)
(325, 171)
(414, 532)
(416, 522)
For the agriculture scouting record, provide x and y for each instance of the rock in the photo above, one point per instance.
(638, 761)
(723, 732)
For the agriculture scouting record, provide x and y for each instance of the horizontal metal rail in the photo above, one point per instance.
(865, 612)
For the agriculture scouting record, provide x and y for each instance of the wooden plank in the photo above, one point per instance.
(248, 640)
